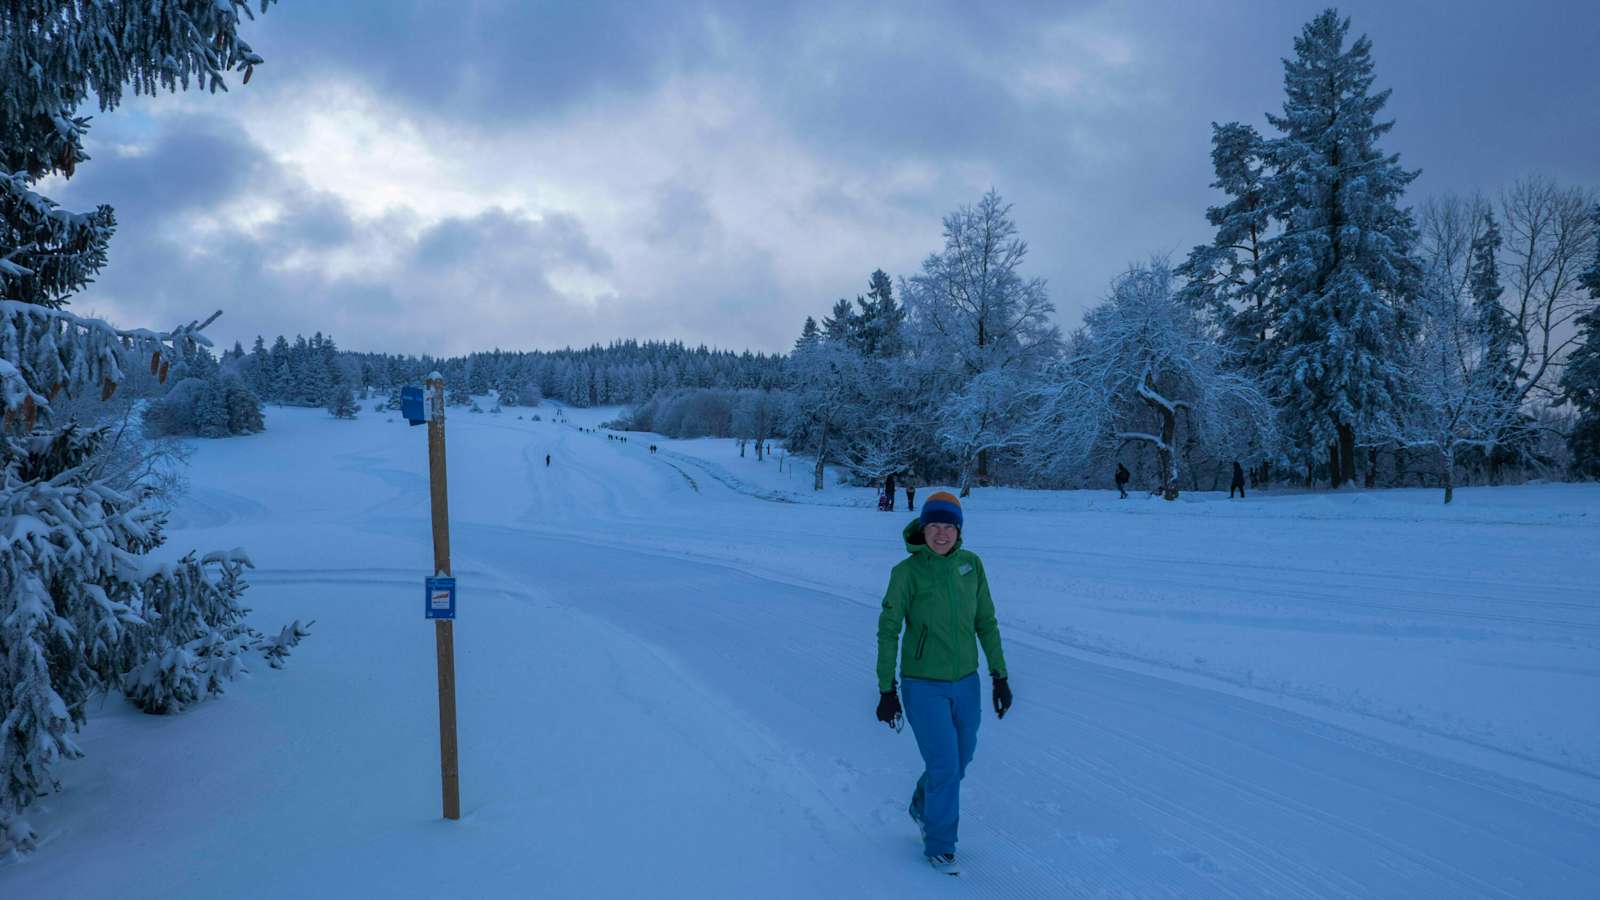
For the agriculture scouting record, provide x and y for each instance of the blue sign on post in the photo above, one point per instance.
(413, 405)
(441, 597)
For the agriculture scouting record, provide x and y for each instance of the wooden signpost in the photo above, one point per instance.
(441, 605)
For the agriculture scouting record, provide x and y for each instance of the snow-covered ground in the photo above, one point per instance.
(665, 684)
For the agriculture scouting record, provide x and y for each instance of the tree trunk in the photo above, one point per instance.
(822, 459)
(741, 448)
(1169, 462)
(1400, 467)
(1372, 467)
(1449, 473)
(966, 477)
(983, 465)
(760, 446)
(1347, 452)
(1335, 471)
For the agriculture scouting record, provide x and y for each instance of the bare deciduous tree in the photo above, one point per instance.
(1550, 239)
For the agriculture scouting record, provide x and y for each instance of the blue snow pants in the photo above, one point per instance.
(944, 717)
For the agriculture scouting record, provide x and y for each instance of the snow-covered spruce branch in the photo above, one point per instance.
(45, 351)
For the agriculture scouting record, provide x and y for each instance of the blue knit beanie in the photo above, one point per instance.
(941, 507)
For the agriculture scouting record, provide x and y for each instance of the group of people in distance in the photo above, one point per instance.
(907, 481)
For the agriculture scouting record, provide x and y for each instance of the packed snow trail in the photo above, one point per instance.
(666, 689)
(1101, 781)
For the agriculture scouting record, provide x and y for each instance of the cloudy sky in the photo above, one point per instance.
(449, 175)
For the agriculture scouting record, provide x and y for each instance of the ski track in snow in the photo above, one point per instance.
(741, 642)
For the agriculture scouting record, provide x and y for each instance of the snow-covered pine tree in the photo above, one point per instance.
(1501, 339)
(211, 410)
(880, 318)
(342, 401)
(1580, 381)
(1223, 278)
(194, 635)
(1341, 270)
(841, 325)
(257, 372)
(330, 368)
(71, 588)
(809, 335)
(244, 407)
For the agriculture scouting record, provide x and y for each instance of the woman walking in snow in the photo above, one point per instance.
(940, 596)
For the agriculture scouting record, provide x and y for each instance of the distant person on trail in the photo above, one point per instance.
(909, 482)
(940, 596)
(547, 460)
(1122, 480)
(1238, 481)
(886, 499)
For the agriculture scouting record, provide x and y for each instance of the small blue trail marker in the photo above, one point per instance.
(441, 597)
(412, 405)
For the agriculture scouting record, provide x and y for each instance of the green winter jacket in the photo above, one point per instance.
(943, 602)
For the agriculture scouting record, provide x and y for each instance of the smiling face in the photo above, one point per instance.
(941, 537)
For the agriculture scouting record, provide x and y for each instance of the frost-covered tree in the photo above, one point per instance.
(823, 400)
(1341, 270)
(976, 311)
(1224, 276)
(1454, 392)
(1580, 381)
(1145, 361)
(756, 415)
(987, 414)
(76, 608)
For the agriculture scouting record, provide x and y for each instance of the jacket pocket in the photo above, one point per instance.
(921, 642)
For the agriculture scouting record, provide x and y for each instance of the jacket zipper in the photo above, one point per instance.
(955, 612)
(922, 641)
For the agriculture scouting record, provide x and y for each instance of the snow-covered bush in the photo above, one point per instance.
(683, 413)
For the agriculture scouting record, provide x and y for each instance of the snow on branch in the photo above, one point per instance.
(45, 351)
(1143, 358)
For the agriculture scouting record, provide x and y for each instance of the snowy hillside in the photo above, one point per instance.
(665, 681)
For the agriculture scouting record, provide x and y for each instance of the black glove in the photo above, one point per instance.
(889, 709)
(1002, 696)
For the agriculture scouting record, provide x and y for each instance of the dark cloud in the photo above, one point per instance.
(1093, 118)
(207, 219)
